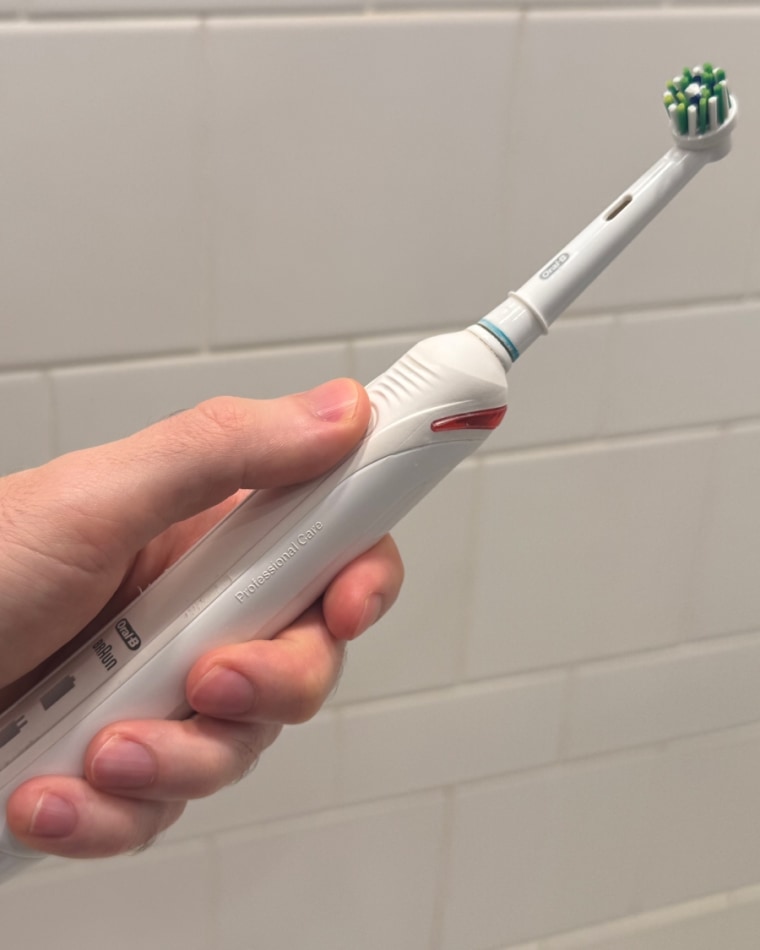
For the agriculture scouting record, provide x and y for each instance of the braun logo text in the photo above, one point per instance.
(104, 653)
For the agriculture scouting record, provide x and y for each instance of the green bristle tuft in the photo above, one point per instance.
(706, 82)
(682, 118)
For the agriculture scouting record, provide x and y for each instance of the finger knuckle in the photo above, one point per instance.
(221, 414)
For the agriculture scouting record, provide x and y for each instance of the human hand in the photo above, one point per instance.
(86, 532)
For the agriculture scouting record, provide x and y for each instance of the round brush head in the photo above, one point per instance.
(701, 109)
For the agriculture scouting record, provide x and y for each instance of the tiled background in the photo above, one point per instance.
(553, 743)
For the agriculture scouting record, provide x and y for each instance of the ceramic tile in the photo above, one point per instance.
(451, 737)
(102, 248)
(715, 926)
(703, 835)
(585, 553)
(179, 7)
(569, 164)
(359, 206)
(418, 644)
(543, 854)
(364, 878)
(725, 597)
(97, 403)
(25, 421)
(685, 368)
(295, 776)
(663, 696)
(557, 389)
(160, 899)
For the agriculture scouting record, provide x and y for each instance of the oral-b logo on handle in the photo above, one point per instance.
(128, 634)
(555, 265)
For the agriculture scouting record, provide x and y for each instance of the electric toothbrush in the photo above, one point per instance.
(271, 557)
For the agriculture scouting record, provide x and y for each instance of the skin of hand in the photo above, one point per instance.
(83, 534)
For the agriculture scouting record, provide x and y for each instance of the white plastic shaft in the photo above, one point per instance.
(529, 311)
(551, 291)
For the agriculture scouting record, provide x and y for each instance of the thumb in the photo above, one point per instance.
(71, 528)
(195, 459)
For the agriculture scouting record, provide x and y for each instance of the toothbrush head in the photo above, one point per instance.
(701, 109)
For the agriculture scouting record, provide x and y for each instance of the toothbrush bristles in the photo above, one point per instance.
(698, 101)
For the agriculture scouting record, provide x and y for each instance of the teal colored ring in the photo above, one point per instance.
(502, 337)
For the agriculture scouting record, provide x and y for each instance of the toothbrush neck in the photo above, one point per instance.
(528, 312)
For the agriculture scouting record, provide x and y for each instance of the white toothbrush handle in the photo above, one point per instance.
(260, 567)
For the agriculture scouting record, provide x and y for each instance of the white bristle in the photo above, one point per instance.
(726, 98)
(673, 113)
(691, 118)
(712, 113)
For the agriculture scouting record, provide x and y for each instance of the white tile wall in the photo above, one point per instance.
(545, 853)
(581, 178)
(704, 832)
(725, 597)
(348, 181)
(103, 252)
(676, 369)
(553, 741)
(419, 644)
(298, 775)
(103, 402)
(394, 747)
(663, 695)
(334, 883)
(25, 421)
(115, 901)
(594, 555)
(701, 925)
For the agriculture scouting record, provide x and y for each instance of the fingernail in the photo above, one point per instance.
(223, 692)
(53, 817)
(334, 401)
(373, 609)
(123, 763)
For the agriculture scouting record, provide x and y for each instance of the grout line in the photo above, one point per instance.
(521, 679)
(442, 882)
(654, 310)
(635, 439)
(28, 13)
(52, 440)
(326, 815)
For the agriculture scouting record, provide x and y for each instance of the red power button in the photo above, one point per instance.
(479, 419)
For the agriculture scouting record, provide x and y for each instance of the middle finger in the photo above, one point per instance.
(166, 761)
